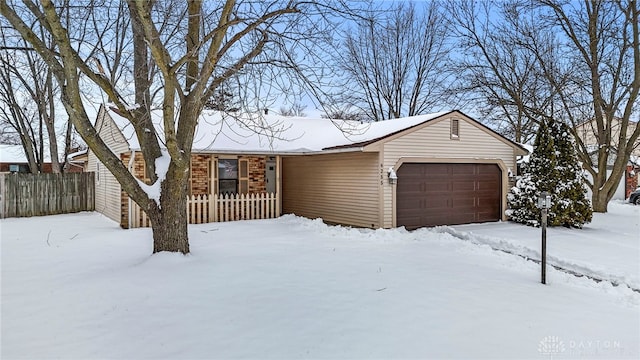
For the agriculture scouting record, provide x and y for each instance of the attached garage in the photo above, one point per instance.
(431, 194)
(450, 170)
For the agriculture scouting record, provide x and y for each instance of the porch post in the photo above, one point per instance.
(212, 175)
(278, 186)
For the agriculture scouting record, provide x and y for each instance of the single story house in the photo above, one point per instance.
(427, 170)
(14, 160)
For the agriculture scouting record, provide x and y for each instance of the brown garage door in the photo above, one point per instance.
(447, 194)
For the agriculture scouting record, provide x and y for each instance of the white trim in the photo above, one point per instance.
(130, 168)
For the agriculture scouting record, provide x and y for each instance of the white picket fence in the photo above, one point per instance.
(213, 208)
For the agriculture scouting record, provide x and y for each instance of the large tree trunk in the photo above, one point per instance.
(27, 145)
(599, 201)
(169, 222)
(605, 186)
(53, 146)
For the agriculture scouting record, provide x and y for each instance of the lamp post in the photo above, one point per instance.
(544, 203)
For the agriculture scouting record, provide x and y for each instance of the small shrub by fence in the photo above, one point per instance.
(46, 194)
(213, 208)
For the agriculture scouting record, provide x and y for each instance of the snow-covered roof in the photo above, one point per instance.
(12, 154)
(218, 132)
(15, 154)
(525, 158)
(72, 157)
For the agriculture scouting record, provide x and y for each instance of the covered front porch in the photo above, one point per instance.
(222, 187)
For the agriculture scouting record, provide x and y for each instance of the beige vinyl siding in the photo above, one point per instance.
(107, 187)
(587, 133)
(433, 142)
(339, 188)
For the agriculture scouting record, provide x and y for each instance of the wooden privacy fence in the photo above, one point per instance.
(214, 207)
(46, 194)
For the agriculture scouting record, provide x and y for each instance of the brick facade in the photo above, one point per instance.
(257, 176)
(200, 174)
(200, 177)
(139, 172)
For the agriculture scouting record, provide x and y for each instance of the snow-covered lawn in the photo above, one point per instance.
(77, 286)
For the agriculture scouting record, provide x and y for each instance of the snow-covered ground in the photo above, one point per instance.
(607, 248)
(77, 286)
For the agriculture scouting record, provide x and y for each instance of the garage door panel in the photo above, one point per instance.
(485, 217)
(486, 198)
(434, 169)
(467, 203)
(462, 169)
(437, 217)
(436, 186)
(461, 218)
(447, 194)
(412, 204)
(463, 186)
(413, 187)
(488, 186)
(488, 169)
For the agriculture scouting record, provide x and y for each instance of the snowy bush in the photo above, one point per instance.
(553, 167)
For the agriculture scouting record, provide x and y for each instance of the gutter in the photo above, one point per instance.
(273, 153)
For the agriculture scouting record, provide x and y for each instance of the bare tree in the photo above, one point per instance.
(225, 99)
(218, 40)
(295, 109)
(27, 94)
(586, 65)
(344, 113)
(601, 41)
(394, 62)
(498, 76)
(14, 116)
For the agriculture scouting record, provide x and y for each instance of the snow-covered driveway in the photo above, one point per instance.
(608, 248)
(76, 286)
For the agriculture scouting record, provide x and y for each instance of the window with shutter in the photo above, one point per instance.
(227, 176)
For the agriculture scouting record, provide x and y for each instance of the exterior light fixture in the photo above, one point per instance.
(393, 177)
(544, 200)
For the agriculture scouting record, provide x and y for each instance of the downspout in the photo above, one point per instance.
(130, 206)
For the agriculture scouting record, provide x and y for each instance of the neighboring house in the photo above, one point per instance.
(627, 185)
(629, 181)
(450, 168)
(77, 161)
(587, 133)
(14, 160)
(632, 175)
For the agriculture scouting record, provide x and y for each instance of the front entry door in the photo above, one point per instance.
(270, 175)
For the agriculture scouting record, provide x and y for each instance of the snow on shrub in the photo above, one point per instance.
(553, 167)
